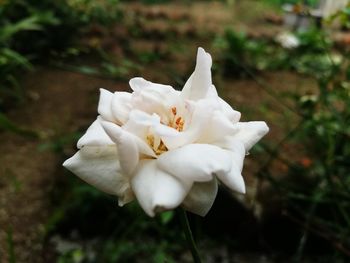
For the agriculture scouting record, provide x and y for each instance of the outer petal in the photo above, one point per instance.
(157, 190)
(138, 84)
(217, 127)
(127, 146)
(250, 132)
(196, 162)
(121, 106)
(200, 81)
(105, 105)
(233, 179)
(95, 136)
(99, 166)
(201, 197)
(233, 115)
(236, 149)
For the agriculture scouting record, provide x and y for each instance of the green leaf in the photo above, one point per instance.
(166, 217)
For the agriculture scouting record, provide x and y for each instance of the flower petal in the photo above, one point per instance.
(233, 179)
(105, 105)
(139, 84)
(196, 162)
(155, 98)
(250, 132)
(200, 81)
(233, 115)
(157, 190)
(140, 122)
(201, 197)
(95, 136)
(217, 127)
(121, 106)
(236, 148)
(128, 146)
(99, 166)
(195, 125)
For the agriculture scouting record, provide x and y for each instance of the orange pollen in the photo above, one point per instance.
(178, 121)
(179, 124)
(161, 147)
(173, 110)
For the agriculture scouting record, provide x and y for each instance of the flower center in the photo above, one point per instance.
(158, 146)
(176, 122)
(156, 142)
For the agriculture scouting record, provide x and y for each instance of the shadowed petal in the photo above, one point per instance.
(99, 166)
(157, 190)
(201, 197)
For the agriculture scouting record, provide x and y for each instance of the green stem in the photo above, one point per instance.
(189, 237)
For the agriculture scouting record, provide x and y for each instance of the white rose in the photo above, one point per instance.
(165, 147)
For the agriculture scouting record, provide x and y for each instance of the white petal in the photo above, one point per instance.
(121, 106)
(155, 98)
(217, 127)
(140, 122)
(233, 179)
(236, 148)
(250, 132)
(127, 140)
(99, 166)
(195, 126)
(200, 81)
(126, 144)
(212, 92)
(196, 162)
(105, 105)
(233, 115)
(157, 190)
(201, 197)
(138, 84)
(95, 136)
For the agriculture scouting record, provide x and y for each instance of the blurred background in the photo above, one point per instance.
(285, 62)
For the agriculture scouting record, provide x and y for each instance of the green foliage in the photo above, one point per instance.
(109, 233)
(342, 16)
(10, 246)
(239, 54)
(280, 2)
(316, 191)
(7, 125)
(31, 30)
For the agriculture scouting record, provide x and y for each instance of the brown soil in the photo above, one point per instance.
(63, 104)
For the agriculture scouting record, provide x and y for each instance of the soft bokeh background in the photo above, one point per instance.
(54, 57)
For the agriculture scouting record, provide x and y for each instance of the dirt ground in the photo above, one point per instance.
(60, 102)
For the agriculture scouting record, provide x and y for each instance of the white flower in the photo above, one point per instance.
(165, 147)
(288, 40)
